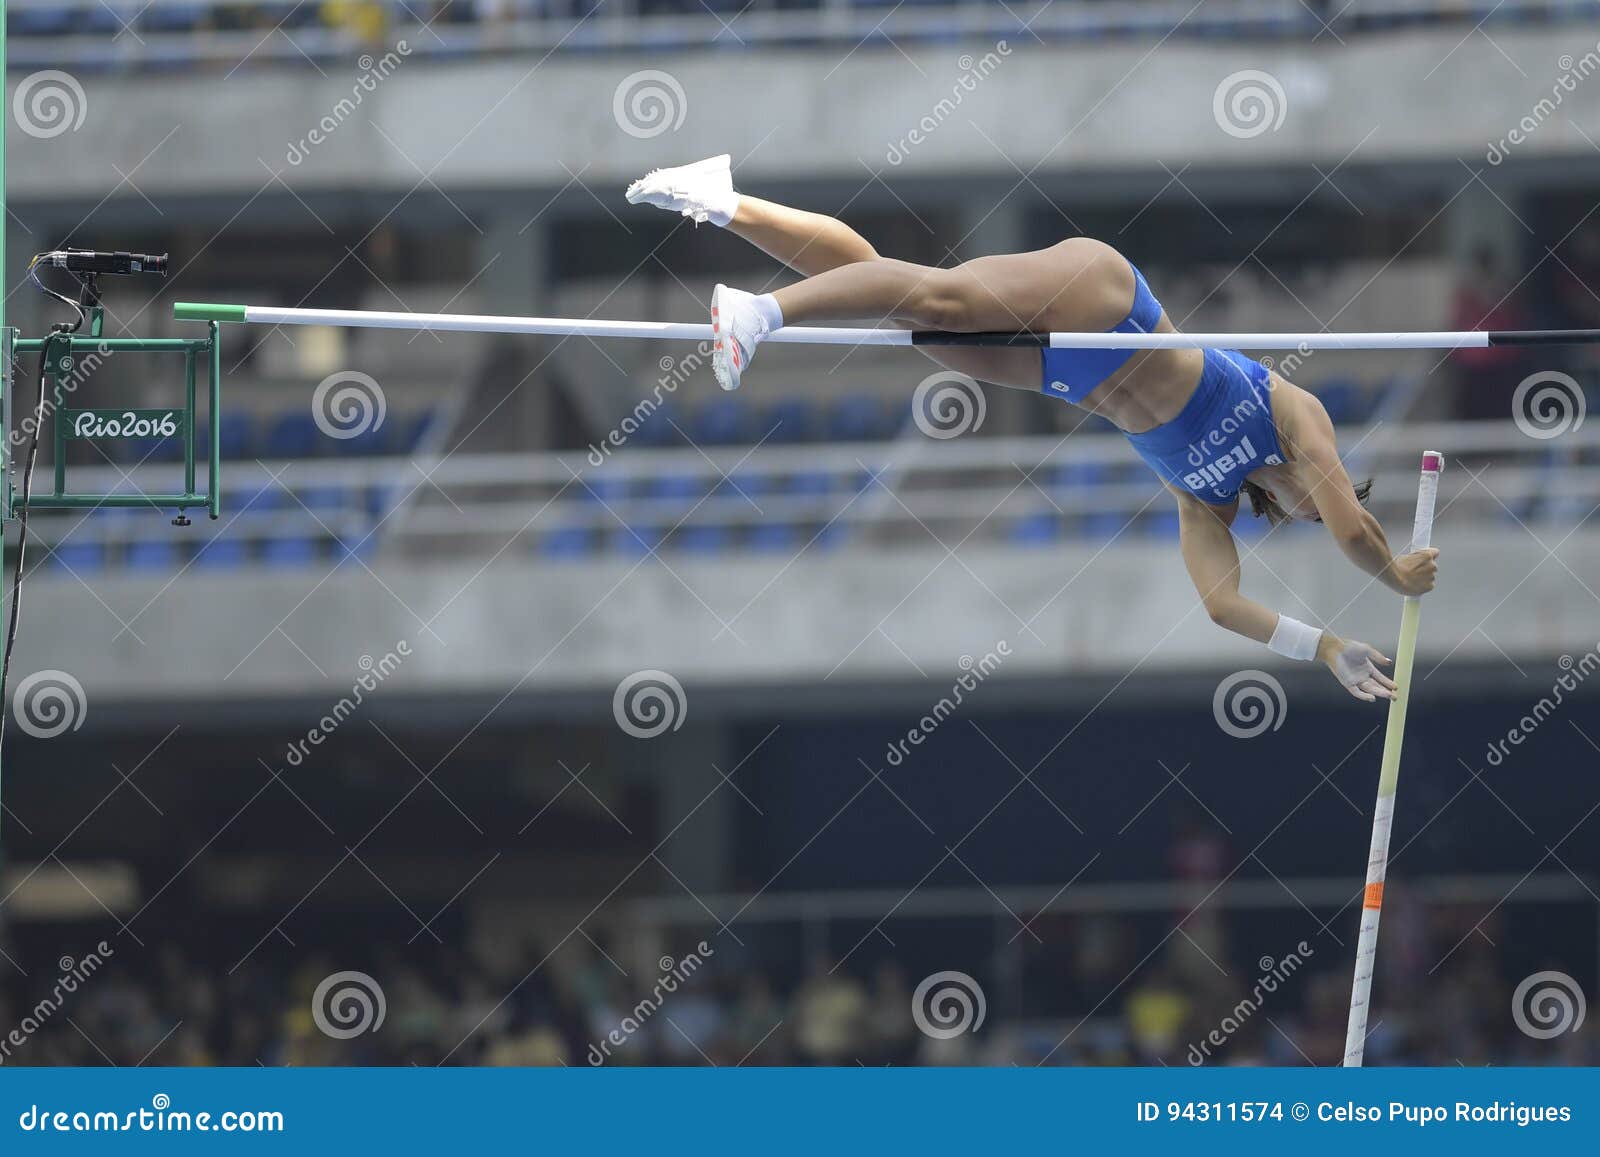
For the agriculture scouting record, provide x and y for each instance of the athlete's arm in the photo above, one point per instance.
(1212, 559)
(1358, 533)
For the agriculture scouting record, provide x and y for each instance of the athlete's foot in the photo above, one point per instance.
(739, 323)
(702, 191)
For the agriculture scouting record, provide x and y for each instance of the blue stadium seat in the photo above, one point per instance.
(862, 418)
(325, 500)
(833, 536)
(370, 442)
(262, 500)
(106, 19)
(687, 487)
(1161, 523)
(80, 558)
(1103, 527)
(1081, 475)
(42, 21)
(811, 482)
(1341, 398)
(703, 539)
(1036, 529)
(1247, 526)
(173, 17)
(293, 435)
(237, 439)
(377, 501)
(607, 488)
(222, 554)
(746, 484)
(791, 421)
(289, 552)
(658, 429)
(408, 431)
(567, 542)
(152, 554)
(775, 536)
(634, 542)
(356, 547)
(723, 422)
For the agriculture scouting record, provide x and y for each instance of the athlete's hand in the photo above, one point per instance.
(1356, 666)
(1415, 573)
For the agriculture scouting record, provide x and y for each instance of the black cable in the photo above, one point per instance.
(33, 276)
(22, 531)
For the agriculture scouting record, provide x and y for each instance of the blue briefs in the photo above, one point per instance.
(1071, 374)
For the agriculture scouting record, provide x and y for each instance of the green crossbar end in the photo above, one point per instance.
(201, 311)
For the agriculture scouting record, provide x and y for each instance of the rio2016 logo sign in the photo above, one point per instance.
(125, 423)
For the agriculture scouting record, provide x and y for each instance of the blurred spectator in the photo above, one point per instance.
(1484, 299)
(830, 1012)
(1158, 1013)
(364, 19)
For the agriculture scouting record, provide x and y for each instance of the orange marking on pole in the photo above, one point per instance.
(1374, 896)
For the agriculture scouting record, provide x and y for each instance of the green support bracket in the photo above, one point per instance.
(70, 360)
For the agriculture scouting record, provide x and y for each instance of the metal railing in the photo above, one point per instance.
(882, 492)
(146, 33)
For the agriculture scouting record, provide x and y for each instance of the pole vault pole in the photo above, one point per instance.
(1355, 1042)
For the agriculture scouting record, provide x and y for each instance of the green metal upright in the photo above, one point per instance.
(5, 395)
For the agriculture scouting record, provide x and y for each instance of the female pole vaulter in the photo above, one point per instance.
(1211, 423)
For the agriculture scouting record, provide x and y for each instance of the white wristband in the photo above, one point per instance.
(1294, 639)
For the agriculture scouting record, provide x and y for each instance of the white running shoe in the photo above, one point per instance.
(737, 327)
(702, 191)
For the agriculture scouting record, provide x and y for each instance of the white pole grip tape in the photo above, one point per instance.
(1427, 496)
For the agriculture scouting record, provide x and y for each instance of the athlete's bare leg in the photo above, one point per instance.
(1078, 284)
(813, 244)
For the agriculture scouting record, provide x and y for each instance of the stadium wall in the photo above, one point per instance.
(549, 121)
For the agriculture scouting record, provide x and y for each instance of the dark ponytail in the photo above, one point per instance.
(1262, 503)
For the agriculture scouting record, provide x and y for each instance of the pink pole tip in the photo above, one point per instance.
(1432, 462)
